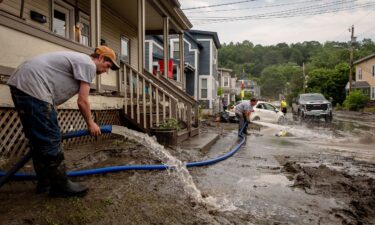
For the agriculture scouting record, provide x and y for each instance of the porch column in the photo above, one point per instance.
(141, 35)
(166, 45)
(182, 60)
(95, 20)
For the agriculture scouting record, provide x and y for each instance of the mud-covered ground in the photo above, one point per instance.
(315, 175)
(131, 197)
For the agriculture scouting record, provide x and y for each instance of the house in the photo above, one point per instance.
(208, 82)
(192, 49)
(227, 82)
(251, 87)
(365, 76)
(133, 93)
(199, 76)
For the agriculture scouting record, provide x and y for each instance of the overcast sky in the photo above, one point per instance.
(251, 20)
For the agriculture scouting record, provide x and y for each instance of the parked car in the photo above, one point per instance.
(267, 112)
(311, 105)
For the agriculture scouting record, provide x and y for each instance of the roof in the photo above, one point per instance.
(186, 33)
(225, 69)
(364, 58)
(358, 84)
(208, 33)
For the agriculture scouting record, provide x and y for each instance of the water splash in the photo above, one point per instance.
(300, 131)
(177, 167)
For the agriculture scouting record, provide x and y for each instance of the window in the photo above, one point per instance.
(360, 74)
(204, 88)
(269, 107)
(62, 19)
(372, 93)
(226, 97)
(226, 82)
(84, 37)
(373, 70)
(125, 50)
(176, 49)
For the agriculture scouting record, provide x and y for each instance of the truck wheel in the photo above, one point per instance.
(301, 117)
(328, 118)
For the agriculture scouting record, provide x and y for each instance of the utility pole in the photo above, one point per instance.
(304, 77)
(352, 41)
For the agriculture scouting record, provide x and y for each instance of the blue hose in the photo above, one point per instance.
(27, 176)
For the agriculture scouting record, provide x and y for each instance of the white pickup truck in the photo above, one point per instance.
(311, 105)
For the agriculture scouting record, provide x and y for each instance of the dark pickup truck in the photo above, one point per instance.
(312, 105)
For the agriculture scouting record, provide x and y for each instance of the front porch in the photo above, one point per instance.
(131, 96)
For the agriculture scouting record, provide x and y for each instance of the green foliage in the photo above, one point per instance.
(220, 91)
(278, 68)
(274, 78)
(170, 124)
(355, 100)
(329, 82)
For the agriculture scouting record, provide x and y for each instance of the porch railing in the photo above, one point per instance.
(149, 100)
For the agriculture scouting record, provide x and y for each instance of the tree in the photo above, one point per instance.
(329, 82)
(272, 82)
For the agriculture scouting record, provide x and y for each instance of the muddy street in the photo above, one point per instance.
(314, 174)
(290, 174)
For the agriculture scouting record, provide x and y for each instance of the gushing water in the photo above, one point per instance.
(175, 164)
(300, 131)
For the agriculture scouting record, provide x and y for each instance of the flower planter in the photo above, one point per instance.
(165, 136)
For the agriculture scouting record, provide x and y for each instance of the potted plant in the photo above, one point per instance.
(166, 132)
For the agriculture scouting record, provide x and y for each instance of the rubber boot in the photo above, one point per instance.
(61, 186)
(40, 168)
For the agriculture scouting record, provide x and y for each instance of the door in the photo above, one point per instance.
(271, 112)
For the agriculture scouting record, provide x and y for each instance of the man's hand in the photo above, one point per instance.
(94, 129)
(84, 107)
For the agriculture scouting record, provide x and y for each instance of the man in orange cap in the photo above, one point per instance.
(40, 84)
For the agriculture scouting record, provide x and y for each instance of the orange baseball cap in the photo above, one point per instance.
(109, 53)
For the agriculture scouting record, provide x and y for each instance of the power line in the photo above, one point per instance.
(256, 7)
(217, 5)
(284, 15)
(371, 28)
(356, 23)
(282, 12)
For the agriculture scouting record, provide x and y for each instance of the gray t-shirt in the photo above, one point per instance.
(53, 77)
(242, 107)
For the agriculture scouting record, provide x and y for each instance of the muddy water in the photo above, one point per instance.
(317, 174)
(176, 166)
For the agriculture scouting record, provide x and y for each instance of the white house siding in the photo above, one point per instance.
(112, 29)
(18, 47)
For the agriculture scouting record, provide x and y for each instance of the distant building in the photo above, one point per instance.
(365, 76)
(250, 86)
(208, 82)
(227, 82)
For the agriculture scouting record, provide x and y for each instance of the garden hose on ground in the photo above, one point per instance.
(5, 176)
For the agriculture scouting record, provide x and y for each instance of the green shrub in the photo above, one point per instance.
(355, 100)
(170, 124)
